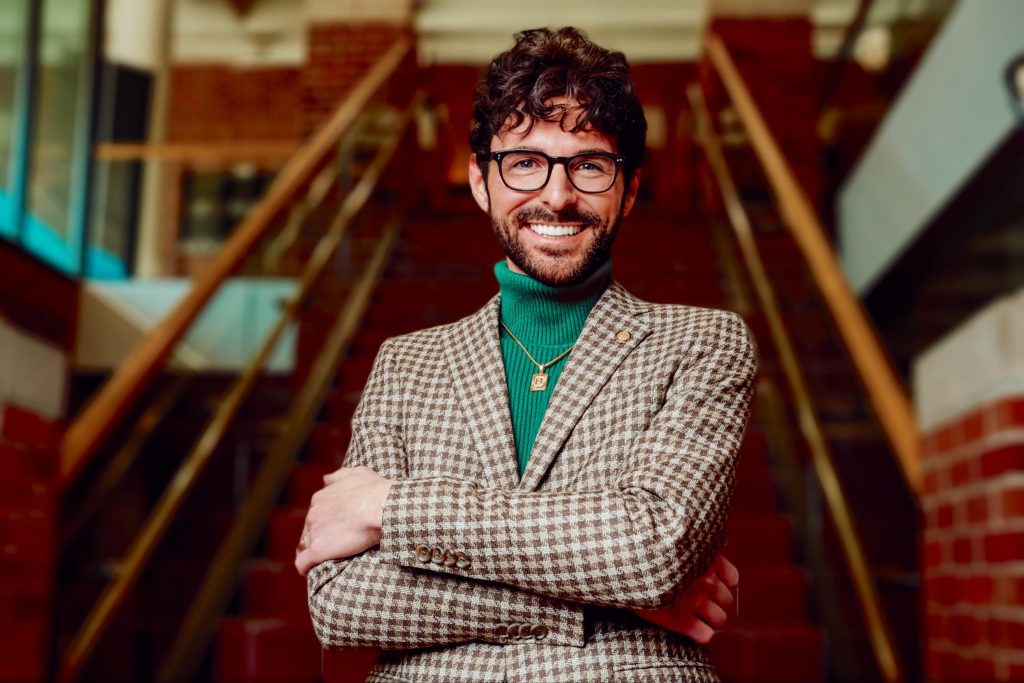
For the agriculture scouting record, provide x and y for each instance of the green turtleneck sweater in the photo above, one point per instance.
(547, 321)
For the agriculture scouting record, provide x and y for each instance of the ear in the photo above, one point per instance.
(478, 185)
(630, 198)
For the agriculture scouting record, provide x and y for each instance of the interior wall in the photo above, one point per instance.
(950, 117)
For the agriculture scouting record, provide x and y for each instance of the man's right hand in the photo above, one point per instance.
(702, 609)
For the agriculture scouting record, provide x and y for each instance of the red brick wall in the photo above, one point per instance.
(339, 55)
(221, 103)
(777, 63)
(973, 575)
(28, 468)
(216, 102)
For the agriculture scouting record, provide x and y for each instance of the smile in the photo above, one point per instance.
(549, 230)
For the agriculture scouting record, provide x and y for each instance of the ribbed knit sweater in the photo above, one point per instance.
(547, 320)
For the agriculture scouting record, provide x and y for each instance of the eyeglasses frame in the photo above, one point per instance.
(552, 162)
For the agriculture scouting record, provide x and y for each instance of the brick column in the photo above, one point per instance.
(969, 395)
(31, 397)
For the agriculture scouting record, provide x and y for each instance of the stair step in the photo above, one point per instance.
(306, 479)
(327, 443)
(759, 540)
(275, 590)
(348, 664)
(770, 653)
(265, 651)
(283, 532)
(342, 402)
(773, 594)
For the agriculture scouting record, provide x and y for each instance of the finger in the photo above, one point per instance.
(728, 572)
(720, 594)
(332, 477)
(713, 615)
(304, 562)
(303, 542)
(698, 631)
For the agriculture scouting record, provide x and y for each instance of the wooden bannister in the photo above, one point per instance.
(296, 177)
(888, 397)
(879, 633)
(102, 414)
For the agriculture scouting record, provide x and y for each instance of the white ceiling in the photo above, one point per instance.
(461, 31)
(473, 31)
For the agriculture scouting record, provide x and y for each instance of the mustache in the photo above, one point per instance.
(536, 214)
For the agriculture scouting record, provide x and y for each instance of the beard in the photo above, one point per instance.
(554, 268)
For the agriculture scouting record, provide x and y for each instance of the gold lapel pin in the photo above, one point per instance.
(623, 336)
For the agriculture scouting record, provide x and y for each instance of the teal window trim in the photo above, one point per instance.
(72, 255)
(21, 131)
(82, 161)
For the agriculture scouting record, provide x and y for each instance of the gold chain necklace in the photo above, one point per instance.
(539, 382)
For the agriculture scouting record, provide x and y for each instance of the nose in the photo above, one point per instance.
(559, 192)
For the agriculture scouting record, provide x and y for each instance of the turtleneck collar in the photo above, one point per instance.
(541, 315)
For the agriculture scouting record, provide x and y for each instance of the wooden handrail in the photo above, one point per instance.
(115, 593)
(221, 579)
(879, 632)
(887, 395)
(224, 153)
(103, 412)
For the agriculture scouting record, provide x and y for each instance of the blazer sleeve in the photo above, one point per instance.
(364, 601)
(637, 544)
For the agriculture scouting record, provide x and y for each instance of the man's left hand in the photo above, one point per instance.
(702, 609)
(344, 517)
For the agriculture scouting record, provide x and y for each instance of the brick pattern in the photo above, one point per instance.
(28, 467)
(775, 58)
(339, 55)
(973, 575)
(216, 103)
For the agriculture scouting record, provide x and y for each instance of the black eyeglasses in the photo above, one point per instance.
(527, 170)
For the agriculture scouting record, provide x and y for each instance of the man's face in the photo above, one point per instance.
(586, 223)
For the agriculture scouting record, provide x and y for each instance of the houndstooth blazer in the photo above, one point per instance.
(481, 576)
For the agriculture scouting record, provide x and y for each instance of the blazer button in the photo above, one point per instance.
(622, 336)
(501, 631)
(449, 558)
(423, 553)
(462, 560)
(540, 631)
(436, 555)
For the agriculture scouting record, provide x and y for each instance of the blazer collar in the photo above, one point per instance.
(478, 373)
(613, 329)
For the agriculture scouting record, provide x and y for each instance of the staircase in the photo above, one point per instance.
(441, 271)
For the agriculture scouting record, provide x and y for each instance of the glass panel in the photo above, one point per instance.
(59, 124)
(116, 185)
(13, 29)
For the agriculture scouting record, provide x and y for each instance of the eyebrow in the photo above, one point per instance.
(590, 150)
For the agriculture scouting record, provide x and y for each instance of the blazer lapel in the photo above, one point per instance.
(478, 373)
(613, 329)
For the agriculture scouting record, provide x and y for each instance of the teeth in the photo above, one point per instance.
(555, 230)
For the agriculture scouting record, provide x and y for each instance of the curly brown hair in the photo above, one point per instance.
(544, 64)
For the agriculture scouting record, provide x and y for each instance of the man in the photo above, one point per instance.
(538, 492)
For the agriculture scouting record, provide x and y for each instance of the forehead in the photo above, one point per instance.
(541, 133)
(552, 136)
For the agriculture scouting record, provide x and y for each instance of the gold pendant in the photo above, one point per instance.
(539, 382)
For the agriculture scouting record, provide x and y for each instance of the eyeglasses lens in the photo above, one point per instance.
(527, 172)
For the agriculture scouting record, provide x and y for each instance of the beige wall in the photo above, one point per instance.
(32, 373)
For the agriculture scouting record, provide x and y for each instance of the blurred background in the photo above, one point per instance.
(212, 212)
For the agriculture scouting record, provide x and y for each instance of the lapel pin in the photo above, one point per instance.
(622, 336)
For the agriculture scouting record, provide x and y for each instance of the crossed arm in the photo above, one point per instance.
(647, 543)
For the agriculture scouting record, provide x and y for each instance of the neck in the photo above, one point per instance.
(541, 315)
